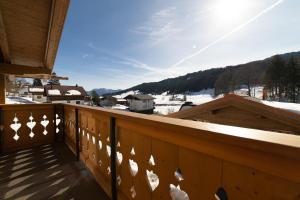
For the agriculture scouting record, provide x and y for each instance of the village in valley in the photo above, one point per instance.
(207, 104)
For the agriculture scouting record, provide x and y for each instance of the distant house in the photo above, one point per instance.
(24, 90)
(65, 94)
(108, 101)
(245, 112)
(122, 102)
(141, 103)
(37, 94)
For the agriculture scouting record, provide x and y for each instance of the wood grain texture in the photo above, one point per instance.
(246, 112)
(247, 163)
(256, 167)
(30, 31)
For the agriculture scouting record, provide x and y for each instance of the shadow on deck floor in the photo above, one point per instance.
(46, 172)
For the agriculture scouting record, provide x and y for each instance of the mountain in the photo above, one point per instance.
(103, 91)
(222, 78)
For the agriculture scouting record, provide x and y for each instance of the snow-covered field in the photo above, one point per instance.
(167, 103)
(293, 107)
(19, 100)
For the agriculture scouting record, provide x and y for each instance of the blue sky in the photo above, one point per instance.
(118, 43)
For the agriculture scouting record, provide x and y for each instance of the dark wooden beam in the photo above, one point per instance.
(21, 69)
(3, 41)
(2, 89)
(58, 15)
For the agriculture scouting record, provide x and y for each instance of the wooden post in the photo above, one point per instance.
(1, 128)
(54, 120)
(2, 89)
(63, 122)
(77, 135)
(113, 156)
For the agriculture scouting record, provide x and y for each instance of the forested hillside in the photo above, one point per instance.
(222, 79)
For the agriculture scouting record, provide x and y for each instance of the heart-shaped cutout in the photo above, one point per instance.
(152, 180)
(108, 150)
(119, 158)
(15, 126)
(133, 166)
(31, 124)
(177, 194)
(57, 122)
(45, 123)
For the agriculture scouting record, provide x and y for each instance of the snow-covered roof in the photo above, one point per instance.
(54, 92)
(36, 89)
(119, 107)
(73, 92)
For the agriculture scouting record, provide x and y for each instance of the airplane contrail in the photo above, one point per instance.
(229, 33)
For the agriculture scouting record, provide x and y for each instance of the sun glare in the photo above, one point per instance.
(228, 12)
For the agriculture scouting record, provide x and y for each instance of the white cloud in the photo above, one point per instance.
(125, 60)
(159, 26)
(84, 56)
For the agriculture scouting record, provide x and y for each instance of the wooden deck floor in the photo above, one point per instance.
(46, 172)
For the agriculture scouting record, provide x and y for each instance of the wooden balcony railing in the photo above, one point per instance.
(135, 156)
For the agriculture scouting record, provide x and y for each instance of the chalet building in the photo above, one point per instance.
(108, 101)
(245, 112)
(69, 151)
(122, 101)
(37, 94)
(65, 94)
(141, 103)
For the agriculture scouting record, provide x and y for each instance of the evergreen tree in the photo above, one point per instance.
(37, 82)
(95, 97)
(275, 75)
(292, 79)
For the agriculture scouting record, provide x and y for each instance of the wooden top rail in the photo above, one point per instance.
(252, 138)
(25, 106)
(271, 152)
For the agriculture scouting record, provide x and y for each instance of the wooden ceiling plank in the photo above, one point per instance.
(21, 69)
(57, 19)
(3, 41)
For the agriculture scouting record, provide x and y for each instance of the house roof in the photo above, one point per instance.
(139, 97)
(108, 98)
(65, 92)
(36, 90)
(30, 32)
(243, 106)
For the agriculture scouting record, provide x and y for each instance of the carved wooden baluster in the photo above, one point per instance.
(45, 123)
(133, 168)
(31, 125)
(16, 126)
(57, 121)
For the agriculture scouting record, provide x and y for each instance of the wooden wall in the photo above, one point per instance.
(234, 116)
(246, 163)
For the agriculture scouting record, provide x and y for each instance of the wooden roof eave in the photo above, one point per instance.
(276, 114)
(18, 63)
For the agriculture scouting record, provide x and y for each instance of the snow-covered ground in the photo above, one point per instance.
(123, 95)
(256, 92)
(293, 107)
(167, 103)
(19, 100)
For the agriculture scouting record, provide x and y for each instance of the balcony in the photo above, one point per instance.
(52, 151)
